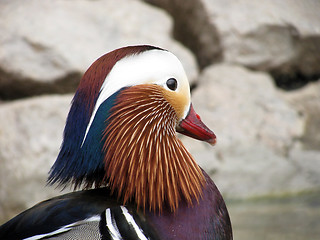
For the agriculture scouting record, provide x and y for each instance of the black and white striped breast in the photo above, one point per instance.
(120, 223)
(115, 223)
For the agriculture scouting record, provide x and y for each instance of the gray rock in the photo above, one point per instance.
(245, 107)
(282, 37)
(305, 154)
(30, 137)
(307, 102)
(192, 27)
(47, 45)
(277, 36)
(257, 131)
(307, 162)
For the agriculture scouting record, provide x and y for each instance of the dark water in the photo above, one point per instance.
(293, 218)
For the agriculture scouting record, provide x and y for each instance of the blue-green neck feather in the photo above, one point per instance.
(81, 163)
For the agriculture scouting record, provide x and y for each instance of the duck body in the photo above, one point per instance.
(120, 139)
(95, 214)
(209, 219)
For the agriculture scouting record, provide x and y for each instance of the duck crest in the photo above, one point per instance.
(144, 160)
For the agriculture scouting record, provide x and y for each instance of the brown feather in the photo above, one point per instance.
(144, 159)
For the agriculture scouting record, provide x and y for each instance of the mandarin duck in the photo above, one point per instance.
(120, 147)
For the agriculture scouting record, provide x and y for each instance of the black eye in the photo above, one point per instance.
(172, 84)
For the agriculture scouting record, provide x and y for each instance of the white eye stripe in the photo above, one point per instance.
(153, 66)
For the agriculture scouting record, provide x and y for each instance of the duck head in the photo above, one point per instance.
(121, 130)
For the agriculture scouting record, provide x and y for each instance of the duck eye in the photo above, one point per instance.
(172, 84)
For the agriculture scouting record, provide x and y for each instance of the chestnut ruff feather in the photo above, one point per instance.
(144, 159)
(80, 160)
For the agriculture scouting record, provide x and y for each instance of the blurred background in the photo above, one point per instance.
(254, 68)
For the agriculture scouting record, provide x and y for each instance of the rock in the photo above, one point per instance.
(307, 102)
(245, 107)
(305, 154)
(47, 45)
(30, 137)
(192, 27)
(256, 132)
(307, 162)
(281, 37)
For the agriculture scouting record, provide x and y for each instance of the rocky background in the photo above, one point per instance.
(254, 67)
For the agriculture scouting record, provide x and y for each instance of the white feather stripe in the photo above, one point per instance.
(132, 222)
(64, 228)
(112, 226)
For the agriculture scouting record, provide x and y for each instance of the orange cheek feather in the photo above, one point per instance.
(178, 100)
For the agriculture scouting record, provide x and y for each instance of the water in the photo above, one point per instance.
(294, 218)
